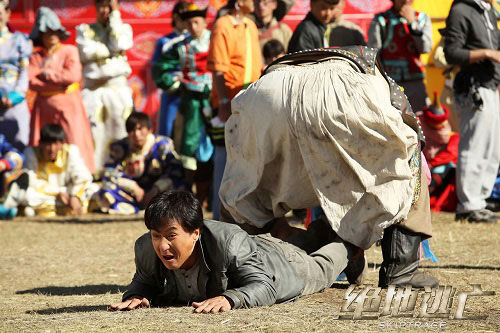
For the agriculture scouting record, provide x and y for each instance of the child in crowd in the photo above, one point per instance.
(139, 166)
(170, 97)
(55, 73)
(272, 50)
(441, 153)
(59, 181)
(190, 137)
(310, 33)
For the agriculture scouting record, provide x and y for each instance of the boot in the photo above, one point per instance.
(400, 260)
(357, 267)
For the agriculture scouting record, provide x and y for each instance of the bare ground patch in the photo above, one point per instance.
(60, 275)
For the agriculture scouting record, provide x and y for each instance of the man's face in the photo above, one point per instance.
(400, 3)
(50, 150)
(138, 136)
(322, 11)
(4, 16)
(174, 246)
(196, 25)
(265, 8)
(103, 10)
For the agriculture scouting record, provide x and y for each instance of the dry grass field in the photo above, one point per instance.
(59, 275)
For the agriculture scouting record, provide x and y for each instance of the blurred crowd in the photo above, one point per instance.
(83, 147)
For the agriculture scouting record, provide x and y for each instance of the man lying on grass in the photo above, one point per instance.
(215, 266)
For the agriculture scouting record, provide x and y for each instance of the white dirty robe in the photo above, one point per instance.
(319, 135)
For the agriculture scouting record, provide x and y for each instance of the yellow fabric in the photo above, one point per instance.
(46, 168)
(75, 86)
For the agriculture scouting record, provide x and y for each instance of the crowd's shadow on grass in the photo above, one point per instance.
(78, 290)
(69, 309)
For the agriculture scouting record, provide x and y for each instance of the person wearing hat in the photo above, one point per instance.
(55, 73)
(196, 84)
(107, 95)
(170, 98)
(15, 50)
(441, 153)
(268, 14)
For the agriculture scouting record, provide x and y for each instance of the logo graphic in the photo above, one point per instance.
(401, 303)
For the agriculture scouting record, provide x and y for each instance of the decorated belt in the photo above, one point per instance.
(75, 86)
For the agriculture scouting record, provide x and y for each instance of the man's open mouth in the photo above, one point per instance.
(170, 257)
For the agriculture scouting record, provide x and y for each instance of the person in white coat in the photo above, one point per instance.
(107, 96)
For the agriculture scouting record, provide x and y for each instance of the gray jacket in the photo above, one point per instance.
(251, 271)
(467, 29)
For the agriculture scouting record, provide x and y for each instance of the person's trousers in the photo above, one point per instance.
(168, 111)
(220, 157)
(320, 269)
(478, 150)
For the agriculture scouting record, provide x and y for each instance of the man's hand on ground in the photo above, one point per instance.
(130, 304)
(212, 305)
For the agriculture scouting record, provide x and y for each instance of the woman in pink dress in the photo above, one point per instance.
(55, 73)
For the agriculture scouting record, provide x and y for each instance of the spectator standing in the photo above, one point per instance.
(472, 42)
(196, 84)
(272, 50)
(268, 15)
(310, 33)
(402, 35)
(170, 97)
(107, 96)
(341, 32)
(15, 50)
(55, 73)
(235, 60)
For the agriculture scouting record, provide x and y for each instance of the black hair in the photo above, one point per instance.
(179, 206)
(272, 48)
(137, 118)
(52, 133)
(179, 7)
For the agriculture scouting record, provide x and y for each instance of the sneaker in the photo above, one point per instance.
(357, 267)
(477, 216)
